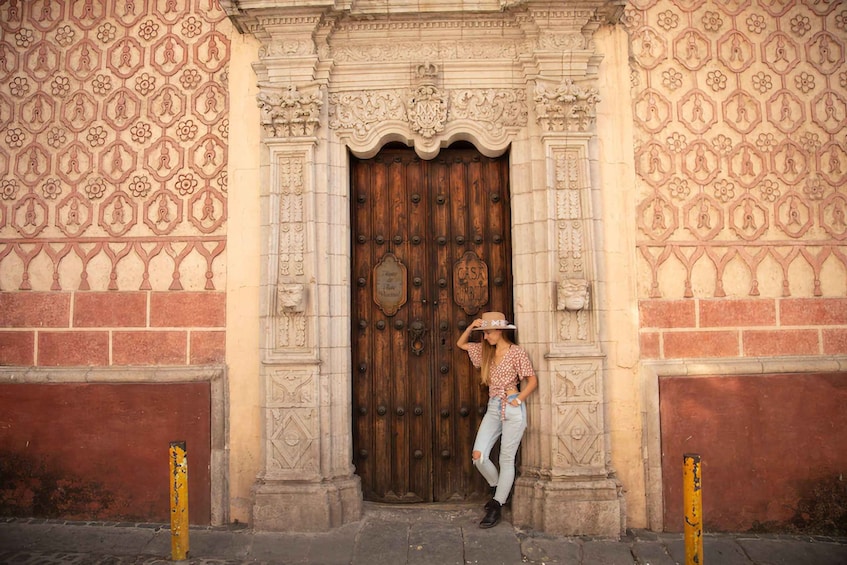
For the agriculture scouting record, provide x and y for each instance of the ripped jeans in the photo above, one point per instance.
(511, 429)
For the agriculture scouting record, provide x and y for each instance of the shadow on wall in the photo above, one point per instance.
(83, 451)
(30, 488)
(821, 510)
(771, 446)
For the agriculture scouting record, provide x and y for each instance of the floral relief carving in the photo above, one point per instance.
(422, 51)
(568, 107)
(427, 110)
(495, 109)
(290, 320)
(290, 113)
(360, 112)
(573, 221)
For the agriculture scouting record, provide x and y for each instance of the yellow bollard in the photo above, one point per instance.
(179, 501)
(692, 502)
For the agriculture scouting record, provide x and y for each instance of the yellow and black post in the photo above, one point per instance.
(179, 501)
(692, 501)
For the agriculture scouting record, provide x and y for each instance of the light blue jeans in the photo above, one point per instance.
(511, 429)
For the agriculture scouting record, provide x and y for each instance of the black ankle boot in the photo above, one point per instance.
(492, 514)
(492, 492)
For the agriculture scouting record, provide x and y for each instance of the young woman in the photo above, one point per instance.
(503, 365)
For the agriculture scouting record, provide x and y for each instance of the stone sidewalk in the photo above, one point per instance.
(391, 535)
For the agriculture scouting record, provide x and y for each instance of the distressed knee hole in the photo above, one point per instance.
(477, 455)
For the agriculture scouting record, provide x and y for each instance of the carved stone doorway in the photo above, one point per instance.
(431, 249)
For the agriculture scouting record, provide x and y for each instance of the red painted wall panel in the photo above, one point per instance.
(83, 451)
(772, 448)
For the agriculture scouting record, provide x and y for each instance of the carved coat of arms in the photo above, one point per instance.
(427, 110)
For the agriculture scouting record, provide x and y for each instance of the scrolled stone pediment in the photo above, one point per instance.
(427, 116)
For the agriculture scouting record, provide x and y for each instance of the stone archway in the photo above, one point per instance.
(335, 80)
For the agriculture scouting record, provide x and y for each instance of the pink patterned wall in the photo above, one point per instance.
(113, 184)
(741, 124)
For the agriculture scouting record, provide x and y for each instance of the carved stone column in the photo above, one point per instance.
(307, 480)
(567, 485)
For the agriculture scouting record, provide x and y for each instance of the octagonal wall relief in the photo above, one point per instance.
(115, 122)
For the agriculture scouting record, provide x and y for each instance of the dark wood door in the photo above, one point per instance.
(431, 248)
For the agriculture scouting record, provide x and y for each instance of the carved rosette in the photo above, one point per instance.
(568, 107)
(290, 113)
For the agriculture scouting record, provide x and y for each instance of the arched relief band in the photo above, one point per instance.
(487, 118)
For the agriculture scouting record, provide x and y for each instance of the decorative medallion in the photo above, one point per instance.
(389, 288)
(427, 110)
(470, 283)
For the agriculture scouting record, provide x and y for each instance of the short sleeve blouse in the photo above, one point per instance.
(513, 368)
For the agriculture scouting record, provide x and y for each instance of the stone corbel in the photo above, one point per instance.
(289, 112)
(290, 298)
(566, 108)
(573, 300)
(573, 295)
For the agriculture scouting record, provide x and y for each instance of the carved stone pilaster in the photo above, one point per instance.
(575, 325)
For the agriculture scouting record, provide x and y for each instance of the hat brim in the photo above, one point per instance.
(507, 327)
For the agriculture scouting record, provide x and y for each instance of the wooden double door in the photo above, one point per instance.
(431, 251)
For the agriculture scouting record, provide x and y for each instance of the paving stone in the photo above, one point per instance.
(651, 553)
(544, 550)
(276, 548)
(492, 546)
(716, 549)
(212, 543)
(431, 542)
(382, 542)
(607, 552)
(793, 552)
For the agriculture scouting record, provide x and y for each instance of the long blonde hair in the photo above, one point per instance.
(488, 353)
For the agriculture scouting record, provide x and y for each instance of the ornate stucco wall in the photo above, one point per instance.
(740, 111)
(114, 131)
(740, 114)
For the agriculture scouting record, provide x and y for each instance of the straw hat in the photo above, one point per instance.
(495, 321)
